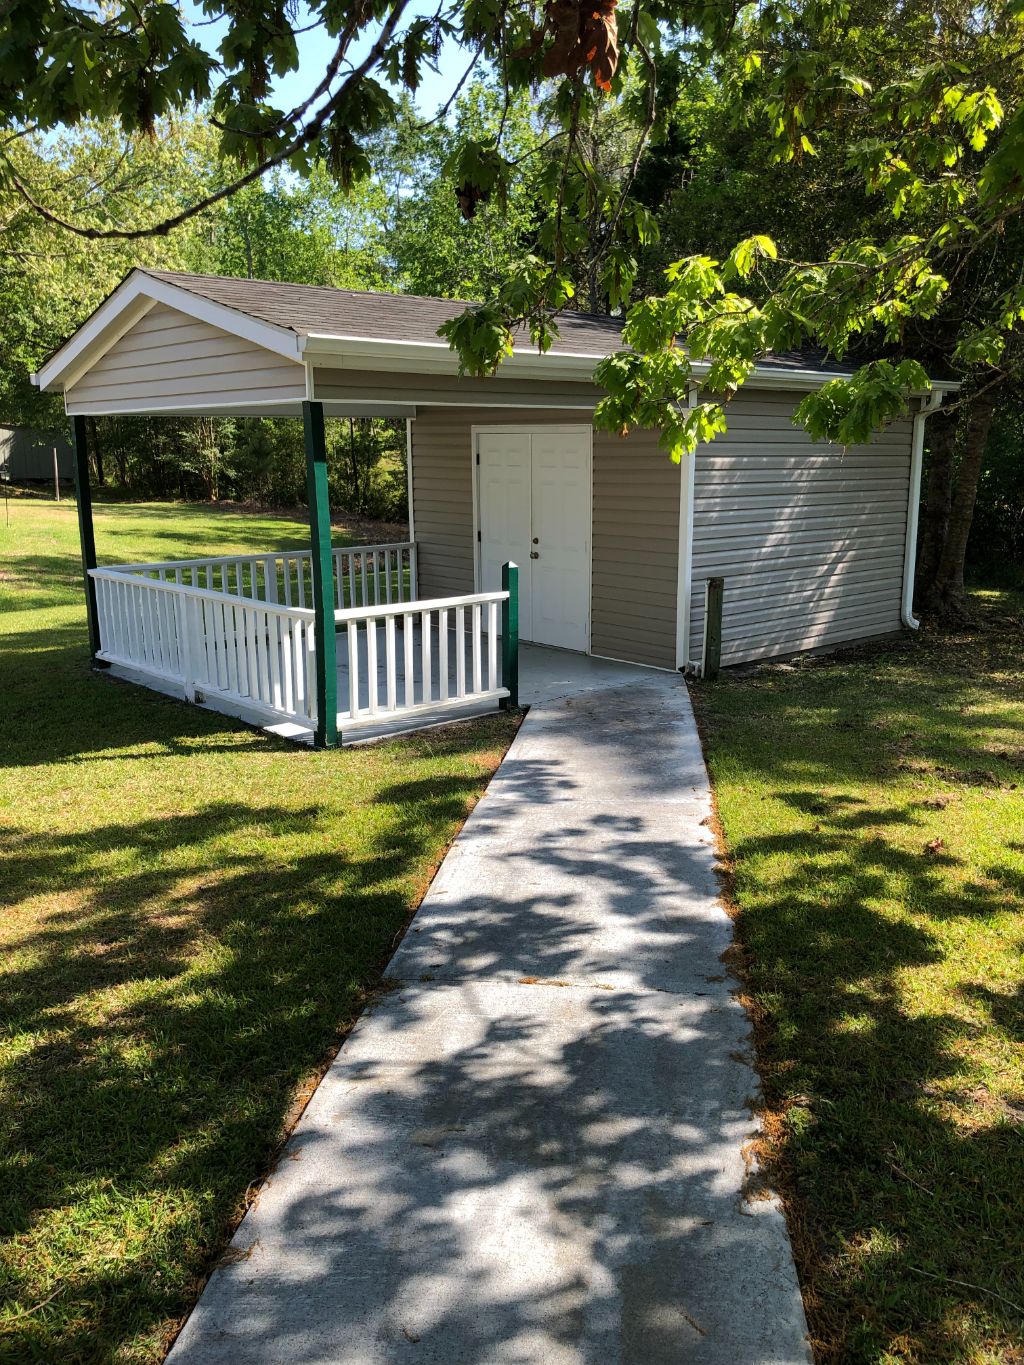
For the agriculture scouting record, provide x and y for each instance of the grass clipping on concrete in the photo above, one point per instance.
(191, 916)
(873, 812)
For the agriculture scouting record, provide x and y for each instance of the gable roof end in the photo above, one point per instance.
(130, 301)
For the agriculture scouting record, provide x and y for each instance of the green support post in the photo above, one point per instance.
(714, 597)
(83, 497)
(326, 734)
(510, 636)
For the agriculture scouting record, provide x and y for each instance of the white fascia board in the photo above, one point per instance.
(322, 351)
(436, 357)
(95, 337)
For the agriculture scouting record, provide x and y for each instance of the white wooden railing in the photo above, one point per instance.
(255, 654)
(364, 575)
(240, 631)
(437, 654)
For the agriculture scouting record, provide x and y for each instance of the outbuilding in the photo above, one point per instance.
(614, 542)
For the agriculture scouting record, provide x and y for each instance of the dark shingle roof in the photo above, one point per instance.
(309, 308)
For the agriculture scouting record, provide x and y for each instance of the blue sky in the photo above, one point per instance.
(315, 49)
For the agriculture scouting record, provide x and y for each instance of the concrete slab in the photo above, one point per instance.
(531, 1151)
(620, 900)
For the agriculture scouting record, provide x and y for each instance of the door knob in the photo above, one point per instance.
(534, 554)
(536, 540)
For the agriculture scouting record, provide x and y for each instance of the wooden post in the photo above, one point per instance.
(86, 537)
(56, 474)
(714, 595)
(510, 635)
(326, 735)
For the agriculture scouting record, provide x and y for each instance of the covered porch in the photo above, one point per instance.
(331, 643)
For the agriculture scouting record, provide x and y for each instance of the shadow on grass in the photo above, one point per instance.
(177, 963)
(867, 940)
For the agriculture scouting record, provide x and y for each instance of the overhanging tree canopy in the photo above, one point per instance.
(940, 144)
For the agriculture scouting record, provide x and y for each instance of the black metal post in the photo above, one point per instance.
(83, 497)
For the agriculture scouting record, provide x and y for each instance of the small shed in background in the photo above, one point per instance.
(26, 455)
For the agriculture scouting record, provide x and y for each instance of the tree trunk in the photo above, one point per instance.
(122, 465)
(950, 596)
(941, 431)
(97, 452)
(353, 465)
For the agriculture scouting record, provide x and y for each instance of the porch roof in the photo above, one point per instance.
(318, 333)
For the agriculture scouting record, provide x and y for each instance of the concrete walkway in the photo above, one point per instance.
(531, 1150)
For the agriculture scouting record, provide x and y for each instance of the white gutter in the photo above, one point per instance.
(931, 403)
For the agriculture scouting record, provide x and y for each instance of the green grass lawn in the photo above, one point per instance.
(191, 915)
(873, 809)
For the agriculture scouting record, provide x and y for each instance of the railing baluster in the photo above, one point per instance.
(460, 651)
(310, 672)
(163, 605)
(372, 681)
(263, 654)
(298, 666)
(492, 646)
(251, 677)
(442, 654)
(353, 669)
(408, 633)
(274, 649)
(389, 654)
(478, 618)
(365, 602)
(426, 681)
(231, 646)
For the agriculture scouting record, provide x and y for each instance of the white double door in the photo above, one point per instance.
(534, 507)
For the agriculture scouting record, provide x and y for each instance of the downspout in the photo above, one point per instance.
(930, 405)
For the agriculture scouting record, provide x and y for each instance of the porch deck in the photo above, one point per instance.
(545, 674)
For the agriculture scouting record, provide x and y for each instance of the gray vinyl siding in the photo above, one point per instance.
(377, 386)
(442, 500)
(169, 360)
(636, 549)
(635, 526)
(809, 538)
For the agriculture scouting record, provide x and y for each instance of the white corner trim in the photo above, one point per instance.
(93, 339)
(684, 565)
(930, 405)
